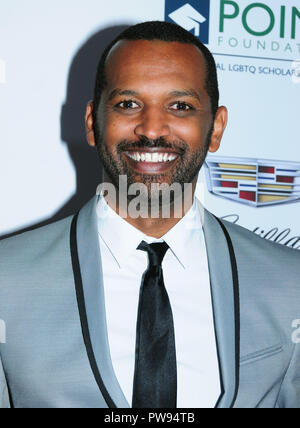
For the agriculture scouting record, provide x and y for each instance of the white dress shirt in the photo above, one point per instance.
(186, 277)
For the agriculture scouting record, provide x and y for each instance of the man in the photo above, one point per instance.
(114, 307)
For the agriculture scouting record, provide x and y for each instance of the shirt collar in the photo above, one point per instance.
(122, 239)
(181, 237)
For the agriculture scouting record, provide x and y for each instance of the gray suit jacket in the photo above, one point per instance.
(56, 353)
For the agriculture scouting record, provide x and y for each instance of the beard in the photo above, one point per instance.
(184, 171)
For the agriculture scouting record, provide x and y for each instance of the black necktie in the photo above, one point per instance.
(155, 375)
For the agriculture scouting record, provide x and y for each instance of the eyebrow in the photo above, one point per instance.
(175, 93)
(186, 93)
(119, 91)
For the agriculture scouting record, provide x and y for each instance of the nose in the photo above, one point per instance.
(152, 124)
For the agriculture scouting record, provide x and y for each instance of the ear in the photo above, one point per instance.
(219, 128)
(89, 122)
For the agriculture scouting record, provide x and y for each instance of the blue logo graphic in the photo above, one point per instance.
(193, 15)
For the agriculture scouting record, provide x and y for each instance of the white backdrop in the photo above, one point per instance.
(48, 55)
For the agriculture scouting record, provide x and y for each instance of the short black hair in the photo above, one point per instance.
(167, 32)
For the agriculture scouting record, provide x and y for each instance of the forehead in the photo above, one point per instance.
(155, 61)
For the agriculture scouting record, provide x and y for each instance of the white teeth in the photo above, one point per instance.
(155, 157)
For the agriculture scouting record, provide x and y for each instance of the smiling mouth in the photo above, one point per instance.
(152, 157)
(151, 161)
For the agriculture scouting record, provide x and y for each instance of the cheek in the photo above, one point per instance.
(117, 129)
(193, 132)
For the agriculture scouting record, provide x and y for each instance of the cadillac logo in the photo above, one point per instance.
(256, 182)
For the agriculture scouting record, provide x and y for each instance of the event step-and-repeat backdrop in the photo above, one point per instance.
(48, 56)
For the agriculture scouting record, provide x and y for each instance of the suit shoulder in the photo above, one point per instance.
(246, 236)
(30, 244)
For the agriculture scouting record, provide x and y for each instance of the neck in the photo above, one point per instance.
(155, 228)
(154, 223)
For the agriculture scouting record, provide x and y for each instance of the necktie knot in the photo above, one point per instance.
(156, 252)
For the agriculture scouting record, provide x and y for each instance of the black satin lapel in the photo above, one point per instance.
(83, 314)
(235, 280)
(225, 299)
(88, 275)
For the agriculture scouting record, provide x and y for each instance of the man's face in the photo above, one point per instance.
(154, 122)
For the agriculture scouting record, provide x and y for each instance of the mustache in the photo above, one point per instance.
(144, 142)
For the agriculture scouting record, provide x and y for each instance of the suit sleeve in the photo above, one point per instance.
(4, 398)
(289, 396)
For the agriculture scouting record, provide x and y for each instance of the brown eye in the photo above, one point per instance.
(181, 106)
(127, 105)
